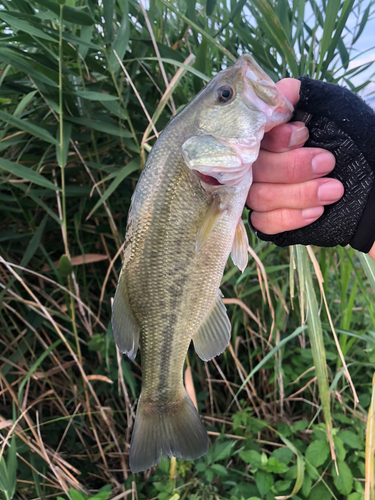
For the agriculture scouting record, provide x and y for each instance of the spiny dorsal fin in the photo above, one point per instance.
(214, 334)
(240, 245)
(124, 324)
(210, 221)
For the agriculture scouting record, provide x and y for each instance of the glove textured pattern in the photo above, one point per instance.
(343, 124)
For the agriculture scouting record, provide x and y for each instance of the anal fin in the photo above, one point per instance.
(214, 334)
(210, 221)
(239, 252)
(125, 327)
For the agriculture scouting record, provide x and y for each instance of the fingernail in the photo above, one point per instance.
(323, 163)
(299, 136)
(312, 213)
(330, 191)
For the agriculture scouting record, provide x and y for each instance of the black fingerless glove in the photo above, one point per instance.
(341, 122)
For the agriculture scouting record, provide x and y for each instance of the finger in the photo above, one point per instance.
(298, 165)
(286, 219)
(285, 137)
(290, 88)
(265, 197)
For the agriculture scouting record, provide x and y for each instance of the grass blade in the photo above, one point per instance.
(27, 174)
(28, 127)
(200, 30)
(131, 167)
(370, 446)
(317, 343)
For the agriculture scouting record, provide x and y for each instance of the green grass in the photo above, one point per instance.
(75, 128)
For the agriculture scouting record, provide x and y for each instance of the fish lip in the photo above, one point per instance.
(208, 179)
(253, 74)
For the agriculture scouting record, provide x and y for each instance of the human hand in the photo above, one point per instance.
(289, 189)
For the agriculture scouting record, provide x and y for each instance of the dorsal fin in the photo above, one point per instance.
(213, 335)
(125, 327)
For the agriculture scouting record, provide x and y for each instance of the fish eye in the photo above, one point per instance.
(224, 93)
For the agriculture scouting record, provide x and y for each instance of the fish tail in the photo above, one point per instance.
(171, 429)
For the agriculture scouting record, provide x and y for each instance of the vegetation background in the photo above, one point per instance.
(84, 88)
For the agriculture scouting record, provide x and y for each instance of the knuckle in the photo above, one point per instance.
(292, 166)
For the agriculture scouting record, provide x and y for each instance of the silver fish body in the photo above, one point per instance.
(184, 221)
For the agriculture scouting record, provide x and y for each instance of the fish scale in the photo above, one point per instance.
(185, 219)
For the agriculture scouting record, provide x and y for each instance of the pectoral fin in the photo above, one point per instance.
(210, 221)
(124, 324)
(239, 252)
(214, 334)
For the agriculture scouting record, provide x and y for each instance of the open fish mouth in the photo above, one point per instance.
(207, 178)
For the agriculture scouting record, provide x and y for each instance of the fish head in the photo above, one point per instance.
(232, 114)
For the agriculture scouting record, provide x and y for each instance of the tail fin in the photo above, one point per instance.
(171, 429)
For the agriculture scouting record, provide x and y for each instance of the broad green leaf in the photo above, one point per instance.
(65, 266)
(350, 439)
(355, 496)
(28, 127)
(76, 495)
(264, 482)
(344, 480)
(276, 467)
(283, 455)
(306, 487)
(27, 174)
(221, 451)
(320, 492)
(339, 447)
(317, 452)
(251, 457)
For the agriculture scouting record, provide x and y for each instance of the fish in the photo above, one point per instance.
(184, 221)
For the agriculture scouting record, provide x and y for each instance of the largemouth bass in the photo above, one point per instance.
(184, 221)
